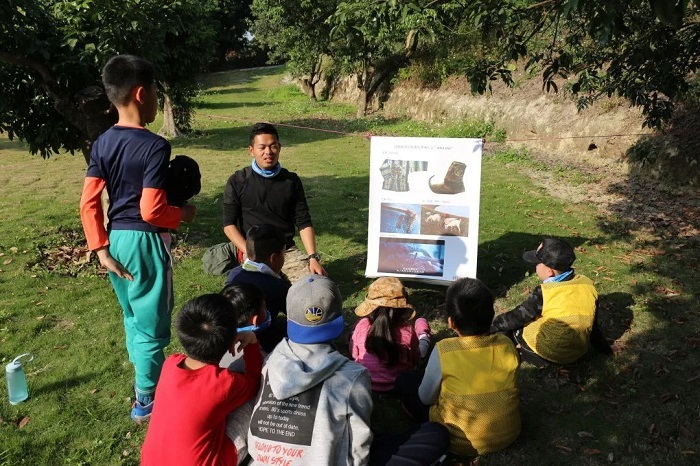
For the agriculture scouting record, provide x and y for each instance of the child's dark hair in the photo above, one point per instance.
(470, 305)
(123, 73)
(206, 327)
(383, 338)
(263, 128)
(264, 240)
(246, 299)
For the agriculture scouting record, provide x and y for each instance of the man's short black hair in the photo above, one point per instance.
(470, 305)
(264, 240)
(246, 299)
(263, 128)
(206, 327)
(123, 73)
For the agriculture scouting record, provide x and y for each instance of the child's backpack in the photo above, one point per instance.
(183, 181)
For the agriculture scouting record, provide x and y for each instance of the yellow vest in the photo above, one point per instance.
(478, 400)
(561, 334)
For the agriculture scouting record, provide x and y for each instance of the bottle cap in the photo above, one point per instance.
(16, 364)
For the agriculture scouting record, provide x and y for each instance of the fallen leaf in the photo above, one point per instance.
(127, 436)
(563, 448)
(93, 391)
(667, 291)
(23, 422)
(14, 249)
(651, 428)
(7, 261)
(592, 451)
(126, 453)
(59, 347)
(688, 452)
(694, 378)
(583, 434)
(39, 317)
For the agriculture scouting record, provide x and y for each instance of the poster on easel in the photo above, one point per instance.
(424, 208)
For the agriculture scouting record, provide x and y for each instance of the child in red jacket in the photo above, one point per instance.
(194, 395)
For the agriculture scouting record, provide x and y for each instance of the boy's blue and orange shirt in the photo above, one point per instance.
(132, 164)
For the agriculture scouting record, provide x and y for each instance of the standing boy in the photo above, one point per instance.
(557, 320)
(266, 193)
(195, 395)
(131, 163)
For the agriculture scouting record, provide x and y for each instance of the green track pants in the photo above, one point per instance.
(147, 301)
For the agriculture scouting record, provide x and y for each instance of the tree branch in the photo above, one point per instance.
(62, 103)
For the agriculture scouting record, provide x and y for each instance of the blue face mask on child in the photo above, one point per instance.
(257, 328)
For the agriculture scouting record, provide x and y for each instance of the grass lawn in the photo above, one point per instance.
(639, 407)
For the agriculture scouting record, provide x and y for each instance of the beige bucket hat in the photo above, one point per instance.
(387, 292)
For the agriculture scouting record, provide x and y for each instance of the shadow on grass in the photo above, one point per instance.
(64, 384)
(637, 407)
(15, 144)
(501, 264)
(231, 139)
(242, 76)
(227, 105)
(230, 90)
(291, 132)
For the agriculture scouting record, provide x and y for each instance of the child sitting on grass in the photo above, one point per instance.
(470, 381)
(265, 246)
(194, 396)
(253, 315)
(384, 341)
(559, 318)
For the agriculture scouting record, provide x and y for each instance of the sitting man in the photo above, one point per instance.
(267, 193)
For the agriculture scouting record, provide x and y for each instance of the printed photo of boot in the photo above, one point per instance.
(453, 182)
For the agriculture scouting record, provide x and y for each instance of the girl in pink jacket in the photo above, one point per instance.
(384, 341)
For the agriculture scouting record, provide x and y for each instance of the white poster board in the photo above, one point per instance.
(423, 208)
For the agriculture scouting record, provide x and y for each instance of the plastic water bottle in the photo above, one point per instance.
(16, 381)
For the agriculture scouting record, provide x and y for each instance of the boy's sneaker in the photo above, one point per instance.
(141, 413)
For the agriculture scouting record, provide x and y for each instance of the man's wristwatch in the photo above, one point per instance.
(314, 256)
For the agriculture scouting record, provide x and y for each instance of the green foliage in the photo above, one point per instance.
(50, 50)
(295, 31)
(642, 50)
(231, 26)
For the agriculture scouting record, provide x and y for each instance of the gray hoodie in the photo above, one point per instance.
(313, 408)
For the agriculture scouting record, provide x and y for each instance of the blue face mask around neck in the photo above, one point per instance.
(266, 173)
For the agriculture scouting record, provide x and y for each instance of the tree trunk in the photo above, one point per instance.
(169, 130)
(362, 103)
(309, 87)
